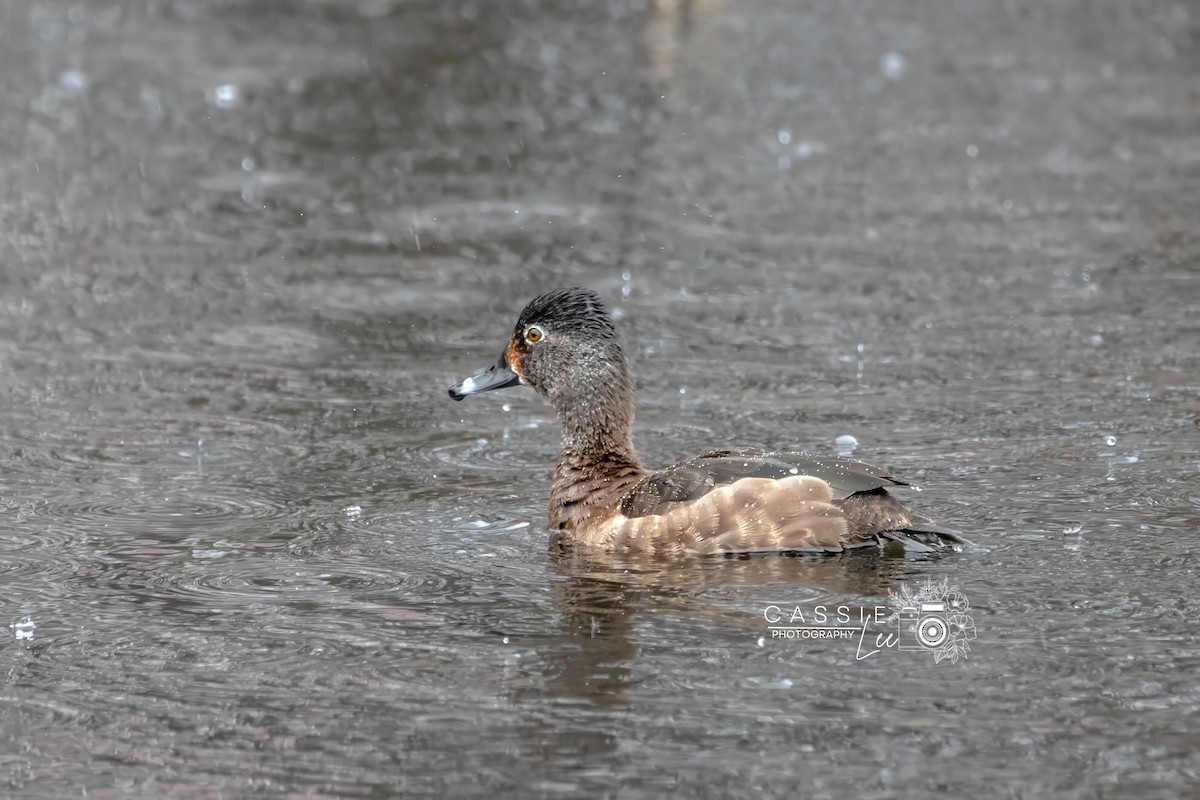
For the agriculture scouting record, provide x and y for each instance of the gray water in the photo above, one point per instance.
(248, 546)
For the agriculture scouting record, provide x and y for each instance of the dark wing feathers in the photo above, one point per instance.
(689, 480)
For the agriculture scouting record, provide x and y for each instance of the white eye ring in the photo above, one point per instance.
(534, 334)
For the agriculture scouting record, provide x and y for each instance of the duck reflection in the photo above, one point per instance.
(601, 596)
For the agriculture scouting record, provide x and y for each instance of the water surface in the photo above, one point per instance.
(248, 547)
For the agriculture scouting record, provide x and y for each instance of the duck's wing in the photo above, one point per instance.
(690, 480)
(746, 501)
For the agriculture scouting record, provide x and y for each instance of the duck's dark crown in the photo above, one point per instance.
(575, 310)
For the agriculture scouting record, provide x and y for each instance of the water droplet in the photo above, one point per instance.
(353, 512)
(757, 682)
(808, 149)
(207, 553)
(225, 96)
(73, 81)
(683, 390)
(892, 65)
(972, 151)
(24, 628)
(1110, 440)
(248, 164)
(845, 444)
(785, 137)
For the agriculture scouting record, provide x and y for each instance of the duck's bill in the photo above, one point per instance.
(497, 376)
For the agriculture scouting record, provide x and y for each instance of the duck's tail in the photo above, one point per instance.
(924, 536)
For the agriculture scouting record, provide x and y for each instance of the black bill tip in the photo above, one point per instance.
(497, 376)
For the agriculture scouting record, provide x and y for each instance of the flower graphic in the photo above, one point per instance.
(947, 603)
(957, 601)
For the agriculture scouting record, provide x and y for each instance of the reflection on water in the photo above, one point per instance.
(602, 598)
(248, 546)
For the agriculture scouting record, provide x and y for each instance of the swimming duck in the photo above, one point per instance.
(729, 501)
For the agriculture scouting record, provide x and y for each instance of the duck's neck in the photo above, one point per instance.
(597, 464)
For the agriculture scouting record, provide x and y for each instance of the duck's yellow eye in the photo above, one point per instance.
(533, 334)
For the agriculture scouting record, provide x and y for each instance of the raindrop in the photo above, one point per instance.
(153, 102)
(809, 149)
(73, 81)
(845, 444)
(892, 65)
(972, 151)
(248, 164)
(785, 137)
(207, 553)
(23, 628)
(1110, 440)
(225, 96)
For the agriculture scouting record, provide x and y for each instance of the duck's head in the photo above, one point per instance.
(566, 348)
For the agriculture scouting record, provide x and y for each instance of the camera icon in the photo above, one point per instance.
(923, 628)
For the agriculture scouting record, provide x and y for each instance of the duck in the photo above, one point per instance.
(728, 501)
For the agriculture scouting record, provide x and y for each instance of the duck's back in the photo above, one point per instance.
(751, 501)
